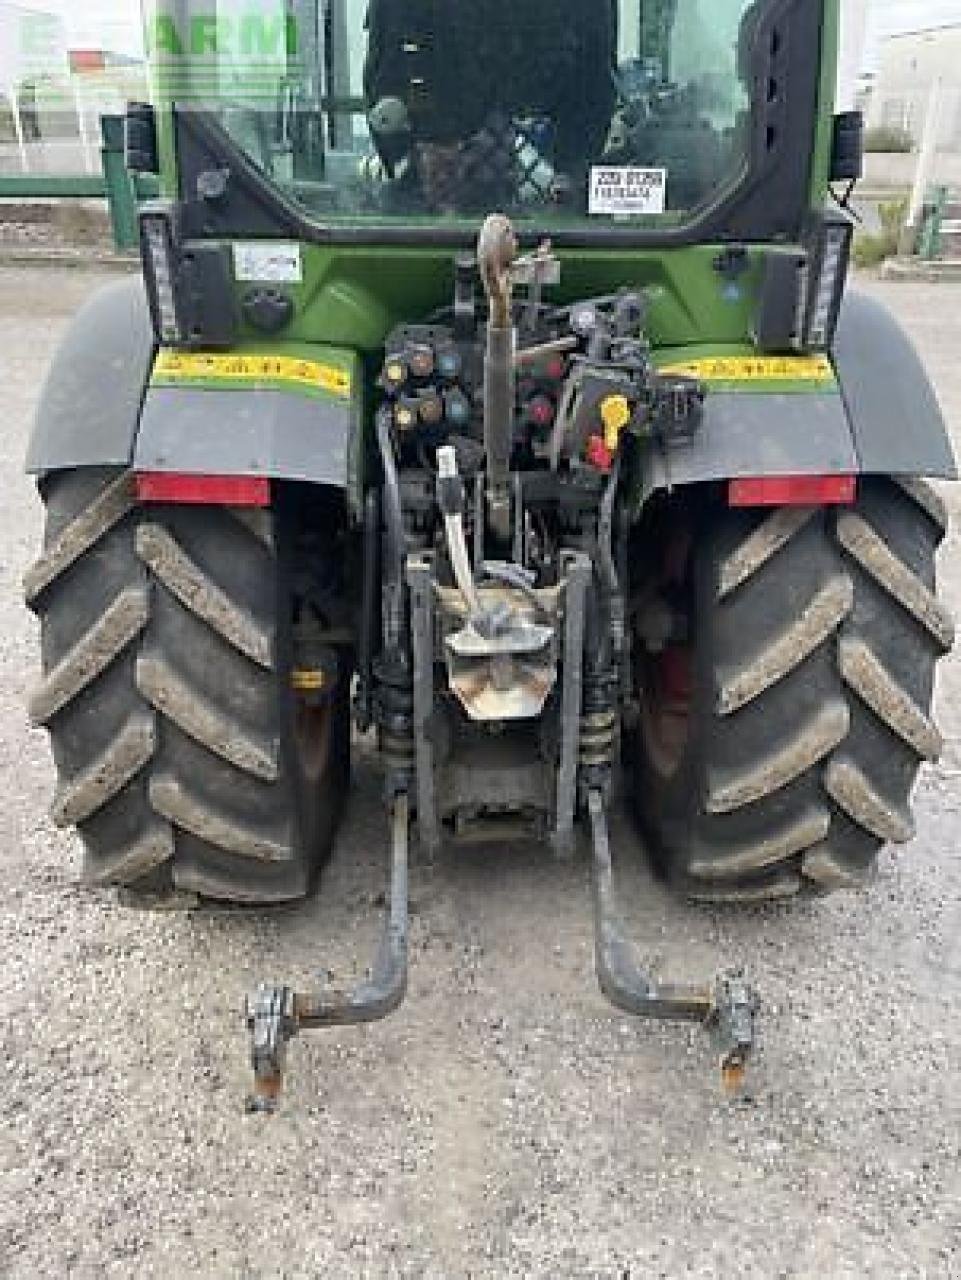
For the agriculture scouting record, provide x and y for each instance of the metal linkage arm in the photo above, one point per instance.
(276, 1014)
(727, 1010)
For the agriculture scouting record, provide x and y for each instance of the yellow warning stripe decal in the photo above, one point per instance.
(193, 366)
(755, 369)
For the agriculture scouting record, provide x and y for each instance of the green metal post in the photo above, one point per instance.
(121, 194)
(929, 244)
(51, 186)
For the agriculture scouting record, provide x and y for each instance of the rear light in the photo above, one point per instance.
(190, 285)
(160, 271)
(792, 491)
(210, 491)
(800, 290)
(826, 275)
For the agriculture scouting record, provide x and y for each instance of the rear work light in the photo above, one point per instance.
(801, 289)
(189, 284)
(827, 272)
(792, 491)
(160, 270)
(211, 491)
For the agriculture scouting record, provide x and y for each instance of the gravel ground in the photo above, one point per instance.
(507, 1121)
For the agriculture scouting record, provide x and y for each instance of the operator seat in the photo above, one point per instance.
(454, 66)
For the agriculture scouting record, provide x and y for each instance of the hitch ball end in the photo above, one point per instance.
(271, 1015)
(265, 1099)
(733, 1074)
(731, 1025)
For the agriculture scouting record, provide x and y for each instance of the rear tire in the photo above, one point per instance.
(782, 757)
(166, 638)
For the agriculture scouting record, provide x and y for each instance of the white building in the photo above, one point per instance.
(53, 93)
(33, 55)
(33, 45)
(910, 67)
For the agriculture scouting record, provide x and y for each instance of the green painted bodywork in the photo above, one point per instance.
(354, 296)
(824, 133)
(351, 296)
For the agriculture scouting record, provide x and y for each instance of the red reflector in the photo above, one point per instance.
(209, 491)
(792, 491)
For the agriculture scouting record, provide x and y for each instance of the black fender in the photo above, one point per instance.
(90, 403)
(882, 418)
(893, 413)
(101, 405)
(255, 431)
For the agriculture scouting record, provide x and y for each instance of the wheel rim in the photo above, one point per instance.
(314, 733)
(666, 701)
(666, 694)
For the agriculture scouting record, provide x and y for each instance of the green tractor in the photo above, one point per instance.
(492, 388)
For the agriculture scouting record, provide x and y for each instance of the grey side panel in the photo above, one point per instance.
(91, 400)
(896, 422)
(756, 434)
(253, 433)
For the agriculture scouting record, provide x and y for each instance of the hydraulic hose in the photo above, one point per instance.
(370, 623)
(605, 538)
(451, 501)
(394, 522)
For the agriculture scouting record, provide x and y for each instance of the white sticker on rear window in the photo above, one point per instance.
(268, 262)
(627, 191)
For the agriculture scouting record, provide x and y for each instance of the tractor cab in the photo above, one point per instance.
(583, 118)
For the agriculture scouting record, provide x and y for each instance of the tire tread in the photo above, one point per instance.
(813, 697)
(163, 694)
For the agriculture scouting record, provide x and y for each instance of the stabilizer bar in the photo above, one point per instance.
(276, 1014)
(727, 1010)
